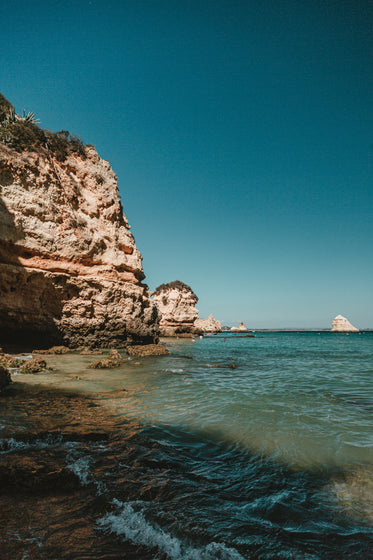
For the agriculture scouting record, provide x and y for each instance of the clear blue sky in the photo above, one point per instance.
(241, 133)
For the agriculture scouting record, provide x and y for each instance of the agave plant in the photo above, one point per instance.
(12, 117)
(29, 118)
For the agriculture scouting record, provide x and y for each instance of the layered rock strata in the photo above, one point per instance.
(70, 271)
(209, 325)
(341, 324)
(176, 303)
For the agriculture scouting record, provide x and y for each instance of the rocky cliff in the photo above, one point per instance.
(341, 324)
(69, 267)
(176, 304)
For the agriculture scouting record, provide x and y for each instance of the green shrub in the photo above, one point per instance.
(23, 134)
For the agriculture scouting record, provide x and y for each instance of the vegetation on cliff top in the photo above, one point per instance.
(176, 284)
(22, 133)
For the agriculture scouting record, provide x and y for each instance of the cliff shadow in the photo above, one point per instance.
(30, 304)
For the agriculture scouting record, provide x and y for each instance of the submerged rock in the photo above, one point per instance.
(5, 378)
(70, 271)
(341, 324)
(147, 350)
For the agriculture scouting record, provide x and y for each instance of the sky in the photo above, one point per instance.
(241, 133)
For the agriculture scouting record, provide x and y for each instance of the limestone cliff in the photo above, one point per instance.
(341, 324)
(176, 304)
(69, 267)
(208, 325)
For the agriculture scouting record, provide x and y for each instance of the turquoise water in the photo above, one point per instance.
(232, 447)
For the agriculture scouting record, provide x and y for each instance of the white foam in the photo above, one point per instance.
(8, 445)
(133, 526)
(175, 370)
(81, 468)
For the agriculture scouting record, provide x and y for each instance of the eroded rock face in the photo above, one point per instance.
(69, 268)
(241, 328)
(208, 325)
(341, 324)
(176, 303)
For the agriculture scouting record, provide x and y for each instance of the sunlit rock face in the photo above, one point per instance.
(341, 324)
(176, 303)
(69, 267)
(241, 328)
(208, 325)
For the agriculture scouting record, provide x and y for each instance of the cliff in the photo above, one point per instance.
(69, 268)
(176, 304)
(341, 324)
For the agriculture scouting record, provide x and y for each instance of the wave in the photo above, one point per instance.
(132, 525)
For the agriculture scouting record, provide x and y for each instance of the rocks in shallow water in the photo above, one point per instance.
(89, 351)
(104, 364)
(53, 350)
(176, 303)
(114, 355)
(4, 377)
(341, 324)
(35, 365)
(147, 350)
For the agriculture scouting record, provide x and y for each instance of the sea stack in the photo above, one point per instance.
(209, 325)
(70, 271)
(176, 303)
(242, 328)
(341, 324)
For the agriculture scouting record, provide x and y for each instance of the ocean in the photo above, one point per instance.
(230, 448)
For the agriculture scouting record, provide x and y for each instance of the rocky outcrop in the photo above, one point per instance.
(208, 325)
(147, 350)
(341, 324)
(176, 304)
(240, 329)
(70, 271)
(4, 377)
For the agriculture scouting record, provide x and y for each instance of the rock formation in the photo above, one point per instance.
(241, 328)
(208, 325)
(341, 324)
(176, 304)
(69, 267)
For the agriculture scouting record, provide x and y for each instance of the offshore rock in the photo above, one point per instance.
(208, 325)
(341, 324)
(241, 328)
(70, 272)
(176, 303)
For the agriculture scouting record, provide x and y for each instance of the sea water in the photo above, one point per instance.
(231, 447)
